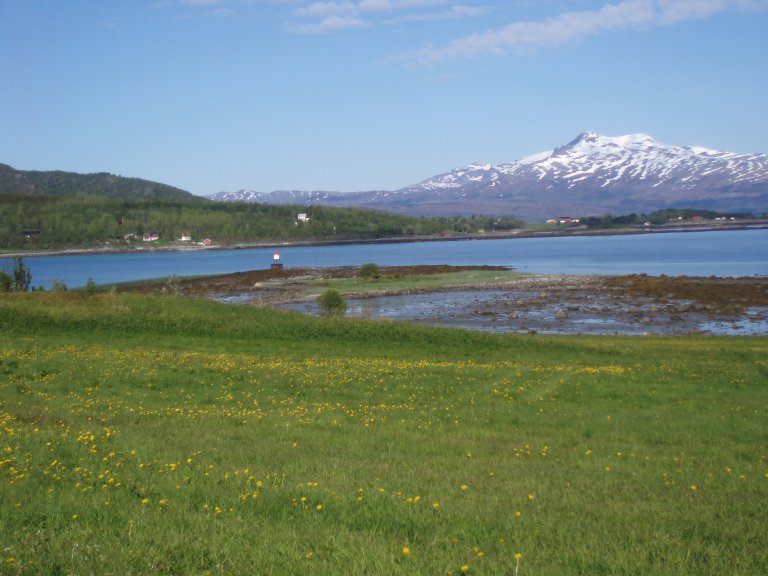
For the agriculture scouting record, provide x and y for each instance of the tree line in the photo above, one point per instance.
(658, 217)
(50, 222)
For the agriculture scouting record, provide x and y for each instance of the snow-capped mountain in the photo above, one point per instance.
(592, 175)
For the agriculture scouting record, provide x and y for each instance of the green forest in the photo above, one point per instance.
(51, 222)
(60, 183)
(658, 217)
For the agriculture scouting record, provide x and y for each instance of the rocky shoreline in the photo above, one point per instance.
(544, 303)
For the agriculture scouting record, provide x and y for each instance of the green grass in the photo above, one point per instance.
(162, 435)
(414, 283)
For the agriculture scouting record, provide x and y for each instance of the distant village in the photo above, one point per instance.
(186, 237)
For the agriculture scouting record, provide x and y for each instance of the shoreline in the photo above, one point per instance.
(755, 224)
(499, 299)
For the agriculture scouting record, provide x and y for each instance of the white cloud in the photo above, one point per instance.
(457, 11)
(330, 24)
(568, 27)
(326, 9)
(335, 15)
(200, 2)
(418, 3)
(375, 5)
(389, 5)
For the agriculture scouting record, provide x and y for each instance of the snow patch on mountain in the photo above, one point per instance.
(592, 174)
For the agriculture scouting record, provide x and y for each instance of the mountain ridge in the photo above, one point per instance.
(590, 175)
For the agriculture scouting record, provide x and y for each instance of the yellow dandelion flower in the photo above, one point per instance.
(319, 507)
(406, 551)
(464, 487)
(464, 569)
(518, 557)
(435, 505)
(144, 501)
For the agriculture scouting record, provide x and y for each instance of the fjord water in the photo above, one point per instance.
(720, 253)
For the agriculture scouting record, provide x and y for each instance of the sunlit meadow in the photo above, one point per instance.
(161, 435)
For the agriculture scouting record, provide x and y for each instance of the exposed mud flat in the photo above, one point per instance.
(552, 304)
(558, 304)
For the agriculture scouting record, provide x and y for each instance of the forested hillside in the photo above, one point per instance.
(50, 222)
(58, 183)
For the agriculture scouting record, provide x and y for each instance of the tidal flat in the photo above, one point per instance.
(496, 299)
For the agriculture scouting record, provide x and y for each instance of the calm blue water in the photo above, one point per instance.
(732, 253)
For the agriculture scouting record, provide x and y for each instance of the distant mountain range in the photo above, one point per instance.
(591, 175)
(58, 183)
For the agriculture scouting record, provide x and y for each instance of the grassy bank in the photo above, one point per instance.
(165, 435)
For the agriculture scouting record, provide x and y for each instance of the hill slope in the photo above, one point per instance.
(58, 183)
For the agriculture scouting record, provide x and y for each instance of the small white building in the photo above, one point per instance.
(302, 217)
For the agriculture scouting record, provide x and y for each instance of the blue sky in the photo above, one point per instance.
(347, 95)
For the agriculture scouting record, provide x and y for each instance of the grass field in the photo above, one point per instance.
(164, 435)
